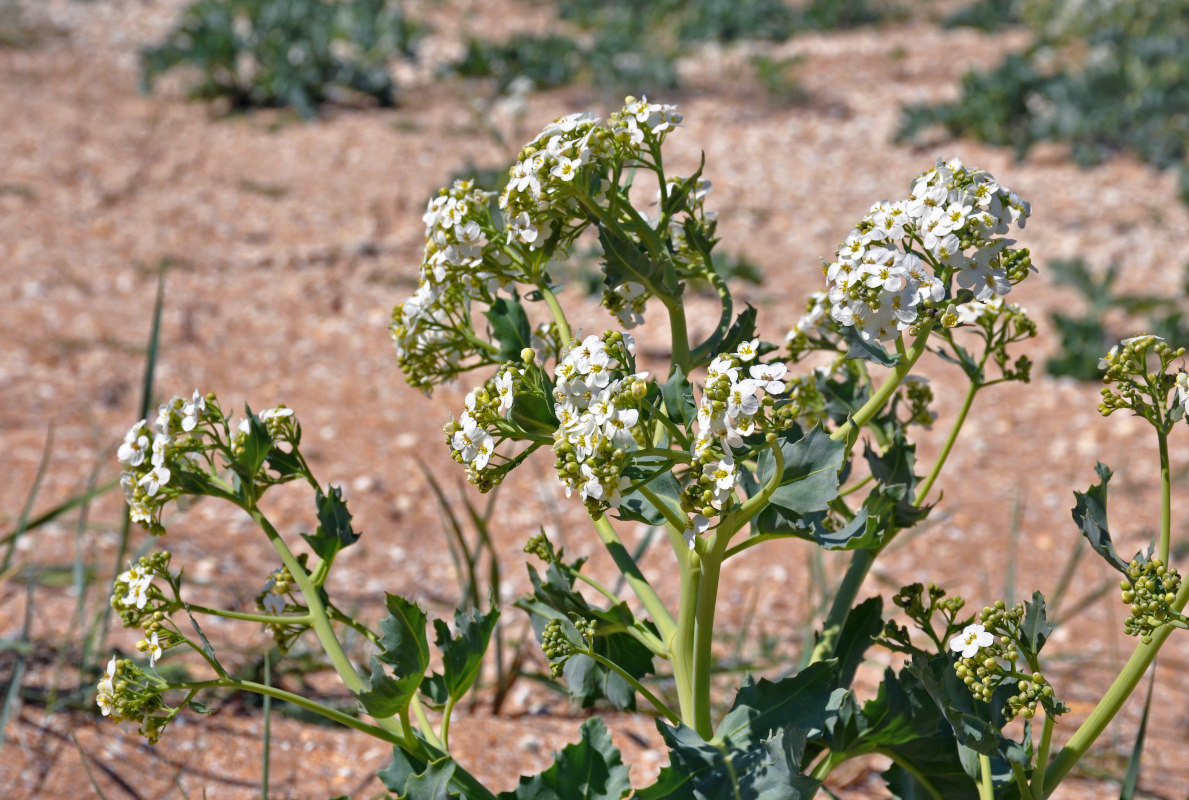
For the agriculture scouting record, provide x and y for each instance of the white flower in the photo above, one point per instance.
(154, 479)
(192, 411)
(152, 646)
(747, 350)
(566, 168)
(1183, 391)
(275, 413)
(136, 442)
(695, 527)
(138, 586)
(974, 637)
(770, 376)
(503, 387)
(106, 697)
(724, 476)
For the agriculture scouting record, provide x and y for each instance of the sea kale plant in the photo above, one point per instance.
(728, 443)
(294, 53)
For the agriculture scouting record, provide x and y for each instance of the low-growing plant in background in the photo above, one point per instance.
(1103, 77)
(295, 53)
(729, 443)
(633, 45)
(1085, 336)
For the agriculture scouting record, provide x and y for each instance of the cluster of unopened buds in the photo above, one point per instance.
(1131, 382)
(1150, 589)
(988, 654)
(558, 645)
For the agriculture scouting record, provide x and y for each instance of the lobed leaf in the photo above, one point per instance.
(591, 769)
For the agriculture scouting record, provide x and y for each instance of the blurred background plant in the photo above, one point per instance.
(1109, 316)
(624, 46)
(1103, 77)
(295, 53)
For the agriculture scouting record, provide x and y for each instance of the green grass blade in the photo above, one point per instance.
(1071, 563)
(1131, 779)
(467, 579)
(29, 500)
(13, 694)
(59, 510)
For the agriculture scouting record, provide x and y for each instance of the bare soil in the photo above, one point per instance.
(290, 243)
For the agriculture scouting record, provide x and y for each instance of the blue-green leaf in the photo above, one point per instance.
(868, 350)
(462, 654)
(678, 396)
(810, 477)
(1089, 514)
(589, 770)
(510, 327)
(334, 525)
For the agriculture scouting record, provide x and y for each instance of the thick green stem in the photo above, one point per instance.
(679, 335)
(681, 642)
(1165, 499)
(986, 788)
(320, 622)
(635, 578)
(1022, 782)
(704, 639)
(1112, 701)
(1042, 759)
(559, 316)
(869, 409)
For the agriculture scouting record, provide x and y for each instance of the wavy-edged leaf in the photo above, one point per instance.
(462, 653)
(810, 477)
(591, 769)
(858, 347)
(624, 260)
(1089, 514)
(678, 396)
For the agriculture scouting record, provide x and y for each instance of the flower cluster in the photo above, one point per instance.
(279, 422)
(1150, 588)
(950, 223)
(127, 694)
(134, 597)
(474, 436)
(641, 124)
(989, 651)
(732, 407)
(596, 401)
(453, 270)
(150, 454)
(544, 184)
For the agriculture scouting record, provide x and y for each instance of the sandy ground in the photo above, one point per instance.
(290, 243)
